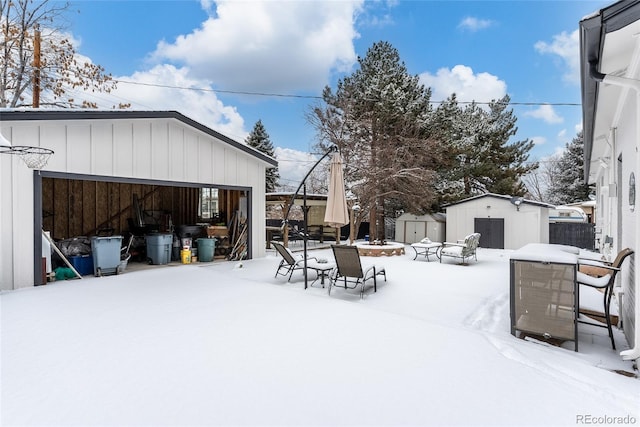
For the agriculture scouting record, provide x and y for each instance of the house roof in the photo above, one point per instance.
(501, 197)
(607, 39)
(26, 115)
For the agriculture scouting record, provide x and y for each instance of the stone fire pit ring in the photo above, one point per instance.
(388, 249)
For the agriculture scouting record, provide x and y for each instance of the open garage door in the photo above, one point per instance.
(75, 206)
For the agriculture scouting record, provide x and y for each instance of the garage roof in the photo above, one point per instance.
(26, 115)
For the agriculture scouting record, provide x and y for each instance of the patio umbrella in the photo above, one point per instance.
(337, 213)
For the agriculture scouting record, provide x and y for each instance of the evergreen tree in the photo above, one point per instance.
(259, 139)
(378, 117)
(480, 158)
(567, 184)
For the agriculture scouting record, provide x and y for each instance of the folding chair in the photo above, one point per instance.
(349, 272)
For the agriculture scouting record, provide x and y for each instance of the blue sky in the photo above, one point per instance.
(481, 50)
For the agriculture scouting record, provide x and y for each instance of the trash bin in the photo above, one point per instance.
(83, 264)
(159, 248)
(106, 254)
(206, 248)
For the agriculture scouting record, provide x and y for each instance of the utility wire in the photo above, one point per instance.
(283, 95)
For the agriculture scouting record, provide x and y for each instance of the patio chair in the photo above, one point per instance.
(349, 272)
(291, 263)
(602, 277)
(462, 249)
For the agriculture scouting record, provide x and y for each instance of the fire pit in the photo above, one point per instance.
(380, 249)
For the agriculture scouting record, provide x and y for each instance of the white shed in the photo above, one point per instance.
(105, 162)
(504, 222)
(412, 228)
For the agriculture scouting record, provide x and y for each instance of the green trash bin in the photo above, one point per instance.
(206, 248)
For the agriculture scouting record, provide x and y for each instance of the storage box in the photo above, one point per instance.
(82, 263)
(217, 231)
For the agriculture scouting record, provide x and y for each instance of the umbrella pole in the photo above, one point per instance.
(305, 235)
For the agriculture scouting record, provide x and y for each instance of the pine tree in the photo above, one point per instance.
(567, 185)
(259, 139)
(378, 117)
(480, 158)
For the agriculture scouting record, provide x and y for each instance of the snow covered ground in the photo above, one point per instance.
(226, 343)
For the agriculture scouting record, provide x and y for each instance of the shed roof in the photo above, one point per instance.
(26, 115)
(501, 197)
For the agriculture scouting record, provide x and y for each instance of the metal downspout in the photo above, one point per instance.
(633, 353)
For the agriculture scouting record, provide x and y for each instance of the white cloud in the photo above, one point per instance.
(461, 80)
(269, 46)
(293, 165)
(538, 140)
(148, 93)
(546, 113)
(567, 48)
(473, 24)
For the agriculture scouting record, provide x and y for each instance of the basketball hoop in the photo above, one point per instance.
(33, 157)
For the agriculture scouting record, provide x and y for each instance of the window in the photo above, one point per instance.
(208, 203)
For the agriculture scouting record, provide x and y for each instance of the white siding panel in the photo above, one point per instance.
(192, 154)
(123, 149)
(205, 160)
(142, 149)
(242, 170)
(219, 164)
(177, 163)
(230, 166)
(102, 148)
(54, 136)
(160, 153)
(79, 148)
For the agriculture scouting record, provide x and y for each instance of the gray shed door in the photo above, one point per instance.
(491, 232)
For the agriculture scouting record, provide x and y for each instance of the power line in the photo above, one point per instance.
(284, 95)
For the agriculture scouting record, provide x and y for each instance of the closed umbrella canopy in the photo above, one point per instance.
(337, 213)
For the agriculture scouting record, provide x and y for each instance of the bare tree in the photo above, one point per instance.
(38, 59)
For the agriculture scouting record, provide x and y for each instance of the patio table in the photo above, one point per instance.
(427, 249)
(321, 268)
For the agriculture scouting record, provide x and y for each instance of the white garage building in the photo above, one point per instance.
(104, 161)
(504, 222)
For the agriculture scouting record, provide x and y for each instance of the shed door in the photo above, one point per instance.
(491, 232)
(414, 231)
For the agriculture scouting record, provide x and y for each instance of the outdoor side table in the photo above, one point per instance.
(427, 249)
(544, 293)
(322, 268)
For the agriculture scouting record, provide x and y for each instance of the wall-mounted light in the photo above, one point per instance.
(517, 201)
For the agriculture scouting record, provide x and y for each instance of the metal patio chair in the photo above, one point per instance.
(605, 282)
(349, 272)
